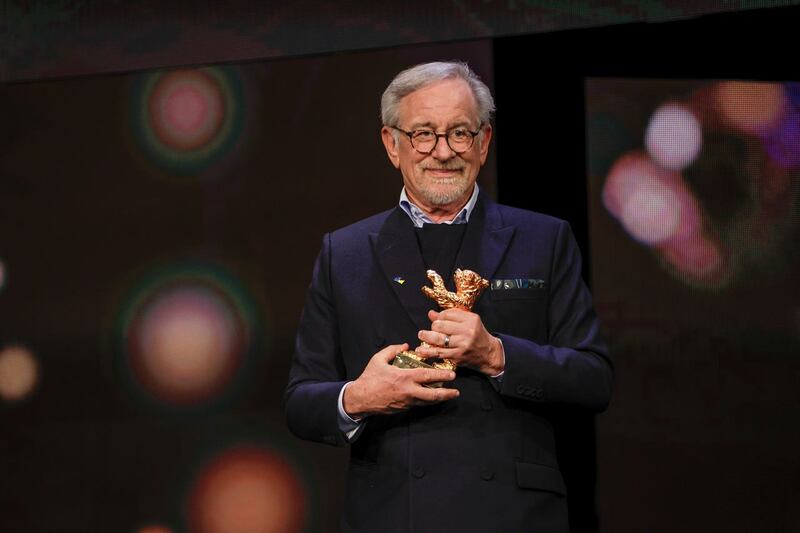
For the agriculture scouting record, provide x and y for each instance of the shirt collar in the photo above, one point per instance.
(418, 217)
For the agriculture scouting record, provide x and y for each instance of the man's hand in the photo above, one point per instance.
(469, 344)
(383, 388)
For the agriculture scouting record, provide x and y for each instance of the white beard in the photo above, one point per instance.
(456, 190)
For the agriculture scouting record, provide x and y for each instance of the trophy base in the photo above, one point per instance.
(409, 359)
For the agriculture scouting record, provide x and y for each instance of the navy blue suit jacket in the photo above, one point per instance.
(485, 461)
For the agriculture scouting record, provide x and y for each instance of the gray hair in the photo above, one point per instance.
(425, 74)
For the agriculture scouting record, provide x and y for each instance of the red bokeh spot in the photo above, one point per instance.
(186, 109)
(246, 489)
(155, 528)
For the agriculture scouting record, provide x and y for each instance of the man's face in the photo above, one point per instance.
(442, 178)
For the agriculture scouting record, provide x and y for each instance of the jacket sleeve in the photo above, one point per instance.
(573, 368)
(317, 373)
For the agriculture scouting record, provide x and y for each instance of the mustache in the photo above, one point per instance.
(443, 167)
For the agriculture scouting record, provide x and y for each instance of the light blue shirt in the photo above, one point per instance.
(418, 216)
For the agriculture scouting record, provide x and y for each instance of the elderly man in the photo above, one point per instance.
(479, 453)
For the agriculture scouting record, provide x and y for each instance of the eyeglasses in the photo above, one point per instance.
(424, 141)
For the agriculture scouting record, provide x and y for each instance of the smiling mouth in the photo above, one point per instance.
(444, 172)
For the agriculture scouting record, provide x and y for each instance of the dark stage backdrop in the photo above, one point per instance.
(57, 38)
(694, 223)
(157, 234)
(179, 212)
(689, 226)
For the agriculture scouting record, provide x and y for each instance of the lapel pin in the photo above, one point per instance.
(399, 280)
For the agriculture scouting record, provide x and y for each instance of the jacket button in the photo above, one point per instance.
(379, 342)
(487, 475)
(486, 405)
(418, 472)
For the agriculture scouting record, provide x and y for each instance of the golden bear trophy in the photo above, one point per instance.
(469, 286)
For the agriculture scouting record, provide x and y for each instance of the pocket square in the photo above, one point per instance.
(518, 283)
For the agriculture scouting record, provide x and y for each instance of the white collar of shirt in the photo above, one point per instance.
(418, 217)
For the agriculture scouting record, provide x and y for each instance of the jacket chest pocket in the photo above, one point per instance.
(518, 312)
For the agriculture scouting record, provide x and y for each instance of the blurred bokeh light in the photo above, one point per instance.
(186, 109)
(185, 346)
(154, 528)
(697, 260)
(656, 208)
(622, 178)
(186, 335)
(783, 143)
(246, 489)
(651, 212)
(709, 209)
(674, 136)
(652, 203)
(750, 107)
(19, 373)
(184, 120)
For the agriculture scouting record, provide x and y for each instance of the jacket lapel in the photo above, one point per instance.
(397, 251)
(398, 255)
(485, 241)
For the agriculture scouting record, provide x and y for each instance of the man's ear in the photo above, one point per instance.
(486, 138)
(391, 145)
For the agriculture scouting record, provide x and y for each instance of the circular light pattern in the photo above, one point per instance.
(246, 489)
(155, 528)
(186, 109)
(652, 203)
(657, 209)
(783, 143)
(674, 136)
(186, 335)
(622, 178)
(651, 212)
(698, 260)
(19, 373)
(706, 241)
(627, 175)
(751, 107)
(186, 344)
(185, 120)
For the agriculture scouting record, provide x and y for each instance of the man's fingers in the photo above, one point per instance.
(427, 336)
(437, 351)
(431, 375)
(390, 352)
(435, 338)
(447, 327)
(454, 314)
(439, 394)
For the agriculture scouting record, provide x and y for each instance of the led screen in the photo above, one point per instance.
(694, 222)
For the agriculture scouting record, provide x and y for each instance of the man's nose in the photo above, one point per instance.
(442, 150)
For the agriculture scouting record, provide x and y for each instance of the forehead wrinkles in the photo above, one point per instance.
(446, 127)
